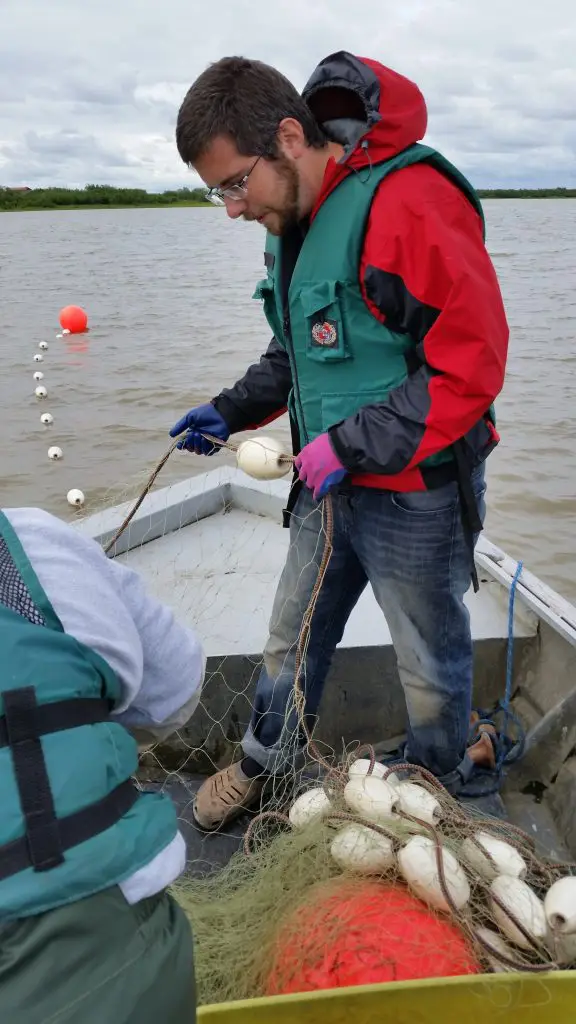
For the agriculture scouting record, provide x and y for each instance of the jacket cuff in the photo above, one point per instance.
(230, 413)
(341, 449)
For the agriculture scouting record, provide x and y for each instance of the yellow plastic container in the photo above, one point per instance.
(491, 999)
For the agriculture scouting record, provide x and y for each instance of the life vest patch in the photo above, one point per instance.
(325, 334)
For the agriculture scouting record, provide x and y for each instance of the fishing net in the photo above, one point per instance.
(204, 574)
(345, 900)
(350, 873)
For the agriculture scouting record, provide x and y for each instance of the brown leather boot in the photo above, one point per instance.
(226, 796)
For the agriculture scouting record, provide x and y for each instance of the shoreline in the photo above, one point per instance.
(107, 206)
(569, 194)
(16, 199)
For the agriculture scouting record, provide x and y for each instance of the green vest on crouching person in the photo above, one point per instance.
(72, 822)
(341, 356)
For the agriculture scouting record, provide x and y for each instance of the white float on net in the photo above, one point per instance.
(263, 458)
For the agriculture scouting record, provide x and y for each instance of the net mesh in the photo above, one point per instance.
(284, 915)
(204, 575)
(356, 895)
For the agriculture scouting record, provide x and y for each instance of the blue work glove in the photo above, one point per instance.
(201, 418)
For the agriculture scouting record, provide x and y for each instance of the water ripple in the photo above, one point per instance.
(172, 321)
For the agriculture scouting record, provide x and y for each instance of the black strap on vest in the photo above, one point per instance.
(74, 828)
(62, 714)
(46, 836)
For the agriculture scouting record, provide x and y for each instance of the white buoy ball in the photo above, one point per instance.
(418, 802)
(40, 391)
(75, 497)
(362, 767)
(419, 867)
(506, 859)
(55, 453)
(38, 358)
(38, 375)
(260, 457)
(47, 419)
(309, 807)
(563, 948)
(560, 906)
(66, 330)
(43, 345)
(370, 798)
(361, 849)
(497, 945)
(517, 897)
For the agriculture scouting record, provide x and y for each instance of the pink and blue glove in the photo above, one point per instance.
(319, 467)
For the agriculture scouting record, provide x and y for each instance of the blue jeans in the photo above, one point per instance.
(412, 550)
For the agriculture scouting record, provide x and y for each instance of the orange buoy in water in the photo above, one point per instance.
(364, 933)
(73, 319)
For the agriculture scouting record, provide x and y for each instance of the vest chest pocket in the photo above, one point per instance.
(265, 290)
(323, 323)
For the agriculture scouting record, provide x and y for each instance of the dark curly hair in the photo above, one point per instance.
(245, 100)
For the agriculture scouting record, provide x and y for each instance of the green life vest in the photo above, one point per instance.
(341, 356)
(72, 823)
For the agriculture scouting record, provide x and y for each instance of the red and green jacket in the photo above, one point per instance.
(435, 352)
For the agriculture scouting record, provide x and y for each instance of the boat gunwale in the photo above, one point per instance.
(181, 504)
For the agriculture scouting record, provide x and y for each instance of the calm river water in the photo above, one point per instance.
(168, 293)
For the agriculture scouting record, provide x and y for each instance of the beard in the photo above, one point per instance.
(281, 218)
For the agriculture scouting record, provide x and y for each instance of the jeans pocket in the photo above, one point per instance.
(427, 503)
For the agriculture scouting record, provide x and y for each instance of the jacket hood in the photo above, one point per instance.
(372, 111)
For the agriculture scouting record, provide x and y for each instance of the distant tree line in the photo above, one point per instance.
(97, 195)
(107, 195)
(527, 193)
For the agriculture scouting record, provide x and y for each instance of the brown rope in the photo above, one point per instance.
(263, 816)
(452, 813)
(231, 446)
(304, 637)
(508, 961)
(140, 499)
(365, 748)
(357, 820)
(462, 919)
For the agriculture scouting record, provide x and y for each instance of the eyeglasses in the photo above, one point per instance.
(236, 191)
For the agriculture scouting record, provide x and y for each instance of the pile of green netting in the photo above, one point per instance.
(235, 911)
(259, 927)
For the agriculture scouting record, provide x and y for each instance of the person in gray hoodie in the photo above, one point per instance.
(92, 667)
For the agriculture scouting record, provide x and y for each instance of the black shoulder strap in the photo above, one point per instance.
(46, 837)
(73, 829)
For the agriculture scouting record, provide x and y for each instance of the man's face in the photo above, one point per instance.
(266, 190)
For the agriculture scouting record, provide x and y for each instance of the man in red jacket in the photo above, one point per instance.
(389, 347)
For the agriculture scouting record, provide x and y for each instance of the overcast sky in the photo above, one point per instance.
(90, 94)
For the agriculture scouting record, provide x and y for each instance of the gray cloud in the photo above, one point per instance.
(92, 94)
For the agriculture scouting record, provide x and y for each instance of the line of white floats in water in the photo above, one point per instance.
(75, 496)
(359, 848)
